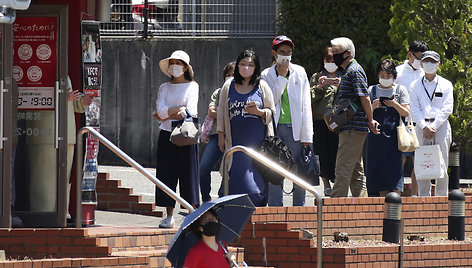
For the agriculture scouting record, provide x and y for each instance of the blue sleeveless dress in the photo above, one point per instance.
(247, 130)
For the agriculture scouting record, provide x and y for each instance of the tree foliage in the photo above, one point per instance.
(312, 24)
(447, 27)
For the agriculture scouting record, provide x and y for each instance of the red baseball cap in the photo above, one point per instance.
(281, 39)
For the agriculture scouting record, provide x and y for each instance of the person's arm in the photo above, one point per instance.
(306, 136)
(212, 112)
(214, 99)
(446, 107)
(372, 124)
(191, 102)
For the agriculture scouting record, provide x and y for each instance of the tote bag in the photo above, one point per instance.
(407, 139)
(429, 163)
(186, 132)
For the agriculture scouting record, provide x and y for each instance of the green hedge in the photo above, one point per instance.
(313, 23)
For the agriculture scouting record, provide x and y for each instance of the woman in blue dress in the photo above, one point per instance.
(244, 118)
(390, 102)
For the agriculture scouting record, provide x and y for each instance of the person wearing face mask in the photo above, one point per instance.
(244, 117)
(176, 164)
(390, 101)
(324, 85)
(431, 104)
(349, 168)
(408, 72)
(212, 153)
(207, 252)
(291, 89)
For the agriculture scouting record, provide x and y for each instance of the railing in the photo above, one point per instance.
(127, 159)
(280, 170)
(256, 18)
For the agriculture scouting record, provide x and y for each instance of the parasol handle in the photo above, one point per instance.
(233, 258)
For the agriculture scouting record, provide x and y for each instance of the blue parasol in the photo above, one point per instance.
(233, 211)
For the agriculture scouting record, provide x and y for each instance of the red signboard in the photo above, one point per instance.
(35, 61)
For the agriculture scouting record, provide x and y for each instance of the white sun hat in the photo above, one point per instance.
(176, 55)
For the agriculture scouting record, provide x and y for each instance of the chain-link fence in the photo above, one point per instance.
(192, 17)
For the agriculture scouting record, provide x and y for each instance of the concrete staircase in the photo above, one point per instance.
(111, 196)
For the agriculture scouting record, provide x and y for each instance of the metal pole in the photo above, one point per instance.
(127, 159)
(146, 19)
(295, 179)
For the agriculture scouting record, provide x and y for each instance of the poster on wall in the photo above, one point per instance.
(92, 83)
(35, 59)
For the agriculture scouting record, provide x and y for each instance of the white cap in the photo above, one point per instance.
(176, 55)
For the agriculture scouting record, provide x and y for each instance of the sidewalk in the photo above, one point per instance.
(142, 186)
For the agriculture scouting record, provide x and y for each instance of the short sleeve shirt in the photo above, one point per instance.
(202, 256)
(401, 93)
(354, 85)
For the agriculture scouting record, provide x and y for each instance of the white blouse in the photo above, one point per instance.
(176, 95)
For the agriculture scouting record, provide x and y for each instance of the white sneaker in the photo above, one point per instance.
(167, 222)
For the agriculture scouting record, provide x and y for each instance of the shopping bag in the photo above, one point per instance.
(407, 140)
(429, 163)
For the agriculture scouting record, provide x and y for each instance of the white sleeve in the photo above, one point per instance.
(161, 107)
(415, 108)
(446, 107)
(307, 119)
(192, 99)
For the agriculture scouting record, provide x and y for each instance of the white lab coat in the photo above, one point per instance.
(439, 108)
(298, 89)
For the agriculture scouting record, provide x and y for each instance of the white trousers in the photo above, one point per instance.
(443, 137)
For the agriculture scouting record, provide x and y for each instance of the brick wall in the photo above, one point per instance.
(362, 218)
(274, 244)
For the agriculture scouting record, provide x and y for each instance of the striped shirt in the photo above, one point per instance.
(354, 85)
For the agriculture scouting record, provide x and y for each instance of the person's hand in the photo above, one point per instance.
(282, 68)
(391, 103)
(304, 144)
(231, 258)
(374, 126)
(251, 107)
(322, 81)
(73, 95)
(376, 104)
(221, 143)
(87, 99)
(429, 132)
(156, 116)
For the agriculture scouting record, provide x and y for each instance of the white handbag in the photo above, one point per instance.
(407, 139)
(429, 163)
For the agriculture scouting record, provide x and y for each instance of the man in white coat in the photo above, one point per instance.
(431, 101)
(291, 89)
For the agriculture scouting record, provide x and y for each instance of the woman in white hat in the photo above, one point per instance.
(176, 99)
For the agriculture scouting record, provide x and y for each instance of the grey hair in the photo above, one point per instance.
(345, 43)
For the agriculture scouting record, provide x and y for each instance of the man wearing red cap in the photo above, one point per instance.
(291, 90)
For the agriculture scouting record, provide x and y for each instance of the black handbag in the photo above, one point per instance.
(341, 113)
(273, 148)
(308, 168)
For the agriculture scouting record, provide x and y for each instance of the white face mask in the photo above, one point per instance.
(331, 67)
(176, 70)
(281, 58)
(416, 64)
(386, 82)
(430, 67)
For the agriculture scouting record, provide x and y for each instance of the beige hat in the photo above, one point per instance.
(176, 55)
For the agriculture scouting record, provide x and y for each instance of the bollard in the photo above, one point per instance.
(456, 219)
(454, 167)
(393, 214)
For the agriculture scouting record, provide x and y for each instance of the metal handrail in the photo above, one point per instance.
(280, 170)
(127, 159)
